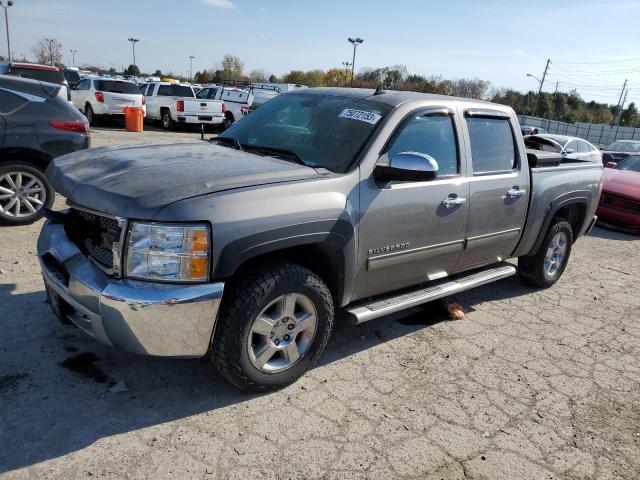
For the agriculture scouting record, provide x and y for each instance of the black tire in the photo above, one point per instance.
(166, 120)
(532, 268)
(88, 112)
(48, 193)
(227, 122)
(247, 298)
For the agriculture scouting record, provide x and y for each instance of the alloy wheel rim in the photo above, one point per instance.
(282, 333)
(556, 253)
(21, 194)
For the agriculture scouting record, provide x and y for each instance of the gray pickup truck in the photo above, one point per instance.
(243, 247)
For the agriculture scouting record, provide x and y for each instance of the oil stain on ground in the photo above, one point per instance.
(85, 364)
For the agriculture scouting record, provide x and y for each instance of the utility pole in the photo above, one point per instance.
(133, 46)
(355, 42)
(544, 75)
(191, 57)
(618, 109)
(6, 22)
(619, 115)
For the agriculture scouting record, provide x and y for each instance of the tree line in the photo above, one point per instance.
(561, 106)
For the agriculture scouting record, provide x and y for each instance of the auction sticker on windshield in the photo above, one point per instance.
(361, 115)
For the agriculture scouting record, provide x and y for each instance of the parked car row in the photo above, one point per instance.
(36, 125)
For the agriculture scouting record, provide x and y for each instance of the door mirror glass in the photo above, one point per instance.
(568, 151)
(408, 167)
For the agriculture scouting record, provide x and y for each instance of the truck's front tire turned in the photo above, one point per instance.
(547, 265)
(273, 327)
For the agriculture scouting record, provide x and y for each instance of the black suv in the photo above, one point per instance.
(36, 125)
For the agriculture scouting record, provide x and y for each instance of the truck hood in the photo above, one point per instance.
(137, 181)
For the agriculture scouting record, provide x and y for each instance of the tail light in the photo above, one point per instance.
(180, 105)
(77, 126)
(143, 102)
(224, 109)
(100, 97)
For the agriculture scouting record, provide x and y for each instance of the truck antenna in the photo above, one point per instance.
(379, 90)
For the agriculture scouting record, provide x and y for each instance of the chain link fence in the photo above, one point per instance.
(596, 133)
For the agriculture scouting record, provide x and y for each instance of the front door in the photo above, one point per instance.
(412, 232)
(499, 188)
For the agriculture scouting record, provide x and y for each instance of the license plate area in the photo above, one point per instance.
(205, 118)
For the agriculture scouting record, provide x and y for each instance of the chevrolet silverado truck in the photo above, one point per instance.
(242, 248)
(175, 103)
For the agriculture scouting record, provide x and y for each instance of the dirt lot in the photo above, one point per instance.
(530, 385)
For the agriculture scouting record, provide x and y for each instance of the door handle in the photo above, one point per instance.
(453, 202)
(515, 193)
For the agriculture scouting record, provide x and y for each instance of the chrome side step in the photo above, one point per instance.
(388, 305)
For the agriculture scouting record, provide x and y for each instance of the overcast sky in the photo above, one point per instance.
(495, 40)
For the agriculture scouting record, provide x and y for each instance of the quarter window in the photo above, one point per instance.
(432, 135)
(10, 102)
(493, 148)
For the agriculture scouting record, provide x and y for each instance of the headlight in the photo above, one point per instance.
(178, 253)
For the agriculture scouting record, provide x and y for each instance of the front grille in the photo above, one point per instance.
(94, 234)
(621, 203)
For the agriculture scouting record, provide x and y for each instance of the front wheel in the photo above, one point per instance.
(24, 193)
(273, 327)
(547, 265)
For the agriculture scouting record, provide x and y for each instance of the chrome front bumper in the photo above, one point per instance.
(148, 318)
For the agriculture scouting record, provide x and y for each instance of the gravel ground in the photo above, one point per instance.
(530, 385)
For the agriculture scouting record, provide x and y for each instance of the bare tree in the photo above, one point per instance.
(48, 51)
(258, 76)
(232, 67)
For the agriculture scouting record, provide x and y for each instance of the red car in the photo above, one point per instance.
(620, 201)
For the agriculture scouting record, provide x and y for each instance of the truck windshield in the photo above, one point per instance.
(318, 130)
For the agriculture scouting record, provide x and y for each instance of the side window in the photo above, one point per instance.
(572, 145)
(143, 89)
(164, 91)
(10, 102)
(583, 147)
(204, 93)
(432, 135)
(493, 148)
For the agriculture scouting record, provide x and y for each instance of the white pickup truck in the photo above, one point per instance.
(173, 103)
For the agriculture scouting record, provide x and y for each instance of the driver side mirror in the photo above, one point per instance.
(407, 167)
(611, 165)
(568, 151)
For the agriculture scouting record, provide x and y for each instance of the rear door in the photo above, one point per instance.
(118, 94)
(499, 187)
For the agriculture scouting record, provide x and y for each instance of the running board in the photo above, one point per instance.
(376, 308)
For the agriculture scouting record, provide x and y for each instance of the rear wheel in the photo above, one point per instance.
(547, 265)
(273, 327)
(228, 121)
(88, 112)
(24, 193)
(167, 121)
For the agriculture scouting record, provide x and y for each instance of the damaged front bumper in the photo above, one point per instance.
(167, 320)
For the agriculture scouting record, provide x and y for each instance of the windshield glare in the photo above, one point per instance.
(323, 130)
(631, 164)
(624, 147)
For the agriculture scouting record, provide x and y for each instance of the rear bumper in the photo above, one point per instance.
(214, 119)
(141, 317)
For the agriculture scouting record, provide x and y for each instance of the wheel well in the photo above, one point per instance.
(575, 214)
(28, 156)
(229, 115)
(326, 261)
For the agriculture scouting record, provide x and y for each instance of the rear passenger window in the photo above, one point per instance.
(164, 91)
(432, 135)
(583, 147)
(493, 148)
(10, 102)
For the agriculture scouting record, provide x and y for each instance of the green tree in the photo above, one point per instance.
(294, 76)
(132, 70)
(544, 105)
(273, 78)
(629, 117)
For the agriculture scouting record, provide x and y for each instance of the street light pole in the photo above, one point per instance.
(355, 42)
(133, 46)
(6, 22)
(73, 57)
(346, 72)
(50, 43)
(191, 57)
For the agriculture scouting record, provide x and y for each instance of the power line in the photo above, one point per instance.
(605, 62)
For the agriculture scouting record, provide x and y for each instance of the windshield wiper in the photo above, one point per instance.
(281, 152)
(229, 140)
